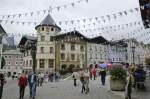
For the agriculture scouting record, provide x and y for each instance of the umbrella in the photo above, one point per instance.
(103, 65)
(109, 66)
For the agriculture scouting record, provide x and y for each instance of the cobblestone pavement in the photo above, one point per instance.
(61, 90)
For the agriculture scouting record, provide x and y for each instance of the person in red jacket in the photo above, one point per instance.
(22, 83)
(94, 73)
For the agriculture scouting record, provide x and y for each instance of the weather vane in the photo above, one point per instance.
(50, 10)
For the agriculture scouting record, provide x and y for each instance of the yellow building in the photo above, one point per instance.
(71, 50)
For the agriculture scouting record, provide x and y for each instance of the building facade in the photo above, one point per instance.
(71, 50)
(45, 54)
(97, 51)
(14, 62)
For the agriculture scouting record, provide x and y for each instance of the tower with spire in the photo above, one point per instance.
(45, 44)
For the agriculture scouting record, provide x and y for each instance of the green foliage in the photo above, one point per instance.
(118, 73)
(64, 66)
(3, 62)
(70, 68)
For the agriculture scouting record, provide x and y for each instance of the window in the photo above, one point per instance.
(95, 55)
(16, 63)
(20, 56)
(30, 62)
(5, 56)
(42, 49)
(62, 46)
(81, 48)
(51, 39)
(72, 57)
(17, 57)
(42, 63)
(42, 28)
(95, 48)
(9, 56)
(90, 47)
(8, 63)
(62, 56)
(90, 56)
(42, 38)
(26, 62)
(51, 49)
(20, 63)
(72, 47)
(52, 29)
(50, 63)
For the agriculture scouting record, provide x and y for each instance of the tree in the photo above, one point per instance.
(3, 62)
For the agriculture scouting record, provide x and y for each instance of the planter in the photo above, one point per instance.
(117, 85)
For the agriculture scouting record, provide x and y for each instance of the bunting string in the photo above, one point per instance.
(96, 19)
(45, 11)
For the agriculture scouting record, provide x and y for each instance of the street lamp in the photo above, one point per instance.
(32, 47)
(133, 51)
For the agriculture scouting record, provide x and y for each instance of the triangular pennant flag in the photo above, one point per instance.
(90, 19)
(8, 16)
(58, 8)
(23, 23)
(72, 4)
(11, 22)
(87, 1)
(26, 14)
(131, 10)
(84, 20)
(3, 17)
(96, 18)
(66, 22)
(44, 11)
(125, 12)
(78, 21)
(72, 21)
(120, 13)
(60, 22)
(19, 15)
(14, 16)
(136, 9)
(31, 13)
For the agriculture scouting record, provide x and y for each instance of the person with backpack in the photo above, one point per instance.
(22, 83)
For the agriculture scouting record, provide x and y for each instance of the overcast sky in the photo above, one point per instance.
(82, 10)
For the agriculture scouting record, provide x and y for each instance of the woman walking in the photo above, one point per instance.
(22, 83)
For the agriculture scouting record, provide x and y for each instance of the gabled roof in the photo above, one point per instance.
(25, 38)
(99, 39)
(2, 31)
(48, 21)
(72, 33)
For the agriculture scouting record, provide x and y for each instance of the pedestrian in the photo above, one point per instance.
(2, 82)
(32, 80)
(103, 75)
(22, 83)
(94, 73)
(75, 76)
(129, 84)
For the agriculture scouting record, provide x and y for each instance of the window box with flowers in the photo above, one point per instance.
(117, 78)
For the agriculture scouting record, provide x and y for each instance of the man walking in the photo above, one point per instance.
(32, 80)
(103, 75)
(2, 81)
(22, 83)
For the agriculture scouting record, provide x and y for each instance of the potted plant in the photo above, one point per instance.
(117, 78)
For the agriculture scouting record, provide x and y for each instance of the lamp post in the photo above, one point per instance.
(32, 47)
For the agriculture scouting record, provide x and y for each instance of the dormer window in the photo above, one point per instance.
(52, 29)
(42, 28)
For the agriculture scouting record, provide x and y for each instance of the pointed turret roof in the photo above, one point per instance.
(48, 21)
